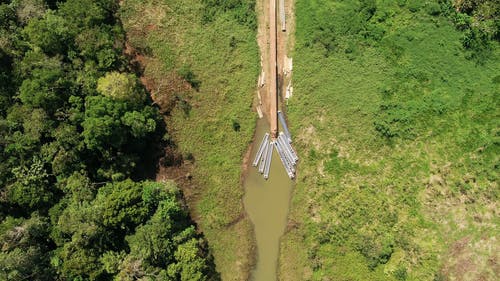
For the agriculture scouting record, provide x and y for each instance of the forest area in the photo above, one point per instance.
(396, 116)
(79, 140)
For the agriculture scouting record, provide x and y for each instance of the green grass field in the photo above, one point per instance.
(397, 127)
(214, 124)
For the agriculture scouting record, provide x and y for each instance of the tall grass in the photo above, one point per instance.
(218, 55)
(397, 128)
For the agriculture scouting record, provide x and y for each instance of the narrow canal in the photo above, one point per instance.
(267, 203)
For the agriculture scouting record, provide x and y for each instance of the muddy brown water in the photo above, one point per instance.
(267, 203)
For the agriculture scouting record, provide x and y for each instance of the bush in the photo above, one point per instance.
(374, 32)
(433, 9)
(355, 22)
(187, 74)
(243, 11)
(236, 126)
(480, 25)
(462, 21)
(414, 5)
(393, 120)
(185, 106)
(377, 250)
(477, 42)
(400, 273)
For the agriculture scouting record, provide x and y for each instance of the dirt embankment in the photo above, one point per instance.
(171, 165)
(284, 44)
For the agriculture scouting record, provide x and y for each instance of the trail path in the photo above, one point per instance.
(284, 42)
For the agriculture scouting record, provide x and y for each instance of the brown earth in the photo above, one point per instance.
(472, 259)
(172, 165)
(283, 44)
(262, 8)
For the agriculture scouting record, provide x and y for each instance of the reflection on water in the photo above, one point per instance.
(267, 202)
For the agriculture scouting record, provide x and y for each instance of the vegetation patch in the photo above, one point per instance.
(399, 147)
(209, 72)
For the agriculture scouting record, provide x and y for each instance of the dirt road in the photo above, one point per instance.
(266, 44)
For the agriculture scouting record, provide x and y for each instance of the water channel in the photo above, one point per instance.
(267, 203)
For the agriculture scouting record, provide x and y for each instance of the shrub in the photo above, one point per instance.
(462, 21)
(242, 10)
(433, 9)
(394, 120)
(400, 273)
(414, 5)
(236, 126)
(185, 106)
(374, 32)
(477, 42)
(187, 74)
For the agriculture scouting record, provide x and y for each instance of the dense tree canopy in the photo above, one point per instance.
(75, 125)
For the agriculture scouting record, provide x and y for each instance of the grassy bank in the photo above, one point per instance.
(396, 122)
(203, 58)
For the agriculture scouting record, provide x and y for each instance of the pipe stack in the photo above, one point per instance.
(261, 150)
(283, 146)
(264, 156)
(281, 117)
(287, 154)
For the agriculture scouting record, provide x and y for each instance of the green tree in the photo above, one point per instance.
(7, 88)
(37, 60)
(86, 229)
(121, 206)
(67, 148)
(29, 9)
(109, 124)
(174, 250)
(102, 125)
(97, 44)
(72, 128)
(121, 87)
(46, 88)
(190, 264)
(31, 189)
(79, 263)
(36, 124)
(140, 123)
(7, 16)
(51, 33)
(24, 253)
(159, 234)
(82, 14)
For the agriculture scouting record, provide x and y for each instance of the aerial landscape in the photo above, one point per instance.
(250, 140)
